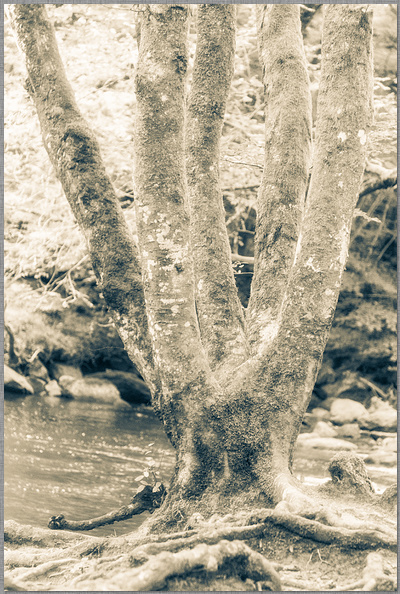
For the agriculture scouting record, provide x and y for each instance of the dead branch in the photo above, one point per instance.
(146, 499)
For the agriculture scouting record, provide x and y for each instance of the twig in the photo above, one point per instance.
(243, 163)
(374, 387)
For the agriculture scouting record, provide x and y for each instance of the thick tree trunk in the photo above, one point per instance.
(232, 417)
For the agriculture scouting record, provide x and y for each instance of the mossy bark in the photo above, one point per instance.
(287, 160)
(75, 154)
(219, 310)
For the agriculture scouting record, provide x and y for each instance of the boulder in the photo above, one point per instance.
(348, 430)
(380, 416)
(14, 382)
(321, 413)
(344, 410)
(311, 440)
(60, 369)
(53, 389)
(131, 388)
(323, 429)
(382, 458)
(348, 472)
(389, 444)
(89, 389)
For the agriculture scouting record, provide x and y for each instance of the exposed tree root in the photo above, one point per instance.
(374, 579)
(358, 539)
(341, 514)
(146, 499)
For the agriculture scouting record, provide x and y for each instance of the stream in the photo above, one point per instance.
(82, 458)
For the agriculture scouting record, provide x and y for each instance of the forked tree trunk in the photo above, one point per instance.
(230, 389)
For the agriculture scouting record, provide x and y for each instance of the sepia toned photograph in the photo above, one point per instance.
(200, 289)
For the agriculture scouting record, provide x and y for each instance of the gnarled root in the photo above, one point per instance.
(345, 511)
(206, 549)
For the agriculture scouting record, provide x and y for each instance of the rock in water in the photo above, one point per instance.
(53, 389)
(14, 382)
(312, 440)
(323, 429)
(344, 410)
(131, 388)
(60, 369)
(380, 415)
(89, 389)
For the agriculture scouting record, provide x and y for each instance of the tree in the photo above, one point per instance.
(230, 386)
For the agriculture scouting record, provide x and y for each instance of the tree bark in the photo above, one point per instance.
(290, 365)
(218, 307)
(162, 219)
(281, 195)
(75, 154)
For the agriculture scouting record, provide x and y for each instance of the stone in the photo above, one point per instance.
(310, 440)
(380, 416)
(348, 430)
(382, 457)
(389, 444)
(60, 369)
(389, 497)
(131, 388)
(344, 410)
(323, 429)
(321, 413)
(53, 389)
(14, 382)
(89, 389)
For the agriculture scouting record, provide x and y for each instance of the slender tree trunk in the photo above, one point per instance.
(75, 154)
(218, 307)
(280, 199)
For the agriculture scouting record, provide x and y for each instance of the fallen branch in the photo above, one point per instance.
(240, 258)
(146, 499)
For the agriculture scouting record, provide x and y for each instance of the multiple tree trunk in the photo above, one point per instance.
(231, 387)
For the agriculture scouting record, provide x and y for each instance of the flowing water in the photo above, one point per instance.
(82, 458)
